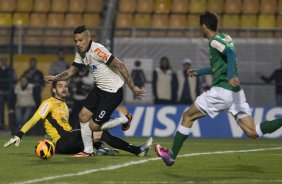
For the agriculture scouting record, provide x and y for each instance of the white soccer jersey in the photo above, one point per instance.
(106, 78)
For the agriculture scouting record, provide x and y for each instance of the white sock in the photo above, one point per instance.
(114, 123)
(184, 130)
(258, 130)
(86, 134)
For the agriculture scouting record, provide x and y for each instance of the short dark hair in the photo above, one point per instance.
(60, 50)
(137, 63)
(54, 83)
(33, 59)
(210, 20)
(79, 29)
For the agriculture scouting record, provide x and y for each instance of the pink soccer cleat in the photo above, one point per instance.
(164, 154)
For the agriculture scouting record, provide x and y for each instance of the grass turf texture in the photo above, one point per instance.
(20, 165)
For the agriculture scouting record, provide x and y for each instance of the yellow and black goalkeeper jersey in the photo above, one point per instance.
(54, 113)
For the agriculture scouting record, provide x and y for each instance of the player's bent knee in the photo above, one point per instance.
(187, 120)
(95, 127)
(83, 118)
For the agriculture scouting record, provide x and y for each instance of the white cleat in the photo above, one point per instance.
(145, 147)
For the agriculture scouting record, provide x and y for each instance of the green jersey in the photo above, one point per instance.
(220, 46)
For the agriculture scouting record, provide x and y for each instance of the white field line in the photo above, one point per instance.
(190, 182)
(113, 167)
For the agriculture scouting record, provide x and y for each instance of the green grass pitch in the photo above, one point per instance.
(229, 161)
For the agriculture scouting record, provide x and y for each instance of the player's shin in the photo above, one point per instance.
(268, 127)
(118, 143)
(86, 134)
(180, 136)
(114, 123)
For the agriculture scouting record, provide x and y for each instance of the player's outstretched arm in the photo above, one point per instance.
(202, 71)
(127, 78)
(26, 127)
(65, 75)
(192, 73)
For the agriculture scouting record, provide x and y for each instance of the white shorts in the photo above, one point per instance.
(218, 99)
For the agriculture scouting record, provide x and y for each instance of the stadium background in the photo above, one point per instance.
(148, 30)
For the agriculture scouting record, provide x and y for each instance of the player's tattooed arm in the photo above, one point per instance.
(116, 63)
(65, 75)
(62, 75)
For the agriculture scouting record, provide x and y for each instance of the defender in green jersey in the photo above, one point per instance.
(224, 95)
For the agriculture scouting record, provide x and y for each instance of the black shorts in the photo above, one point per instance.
(70, 143)
(102, 104)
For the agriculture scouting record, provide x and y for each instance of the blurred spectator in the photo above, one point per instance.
(80, 85)
(138, 76)
(163, 83)
(7, 80)
(35, 77)
(277, 77)
(188, 88)
(60, 64)
(25, 102)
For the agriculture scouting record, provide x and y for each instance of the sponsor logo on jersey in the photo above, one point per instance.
(96, 120)
(44, 109)
(101, 54)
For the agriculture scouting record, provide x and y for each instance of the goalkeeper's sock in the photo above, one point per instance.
(180, 136)
(118, 143)
(268, 127)
(86, 134)
(98, 145)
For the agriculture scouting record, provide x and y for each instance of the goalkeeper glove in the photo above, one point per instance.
(15, 140)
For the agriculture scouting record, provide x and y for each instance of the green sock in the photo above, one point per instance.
(179, 138)
(270, 126)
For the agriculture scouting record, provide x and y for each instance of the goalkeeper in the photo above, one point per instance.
(54, 113)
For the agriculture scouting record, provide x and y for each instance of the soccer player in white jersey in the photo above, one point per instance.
(109, 74)
(224, 95)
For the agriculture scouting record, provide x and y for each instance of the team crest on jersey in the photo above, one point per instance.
(93, 68)
(64, 120)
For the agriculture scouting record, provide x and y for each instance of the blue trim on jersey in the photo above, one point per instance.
(231, 62)
(204, 71)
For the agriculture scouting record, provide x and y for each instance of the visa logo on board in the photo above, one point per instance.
(162, 121)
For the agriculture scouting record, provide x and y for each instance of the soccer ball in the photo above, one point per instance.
(44, 149)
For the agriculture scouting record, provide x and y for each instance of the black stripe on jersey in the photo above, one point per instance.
(54, 123)
(78, 65)
(89, 45)
(110, 60)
